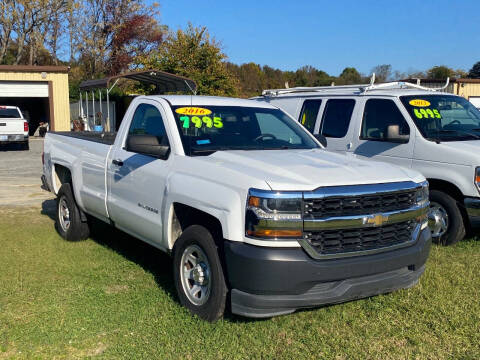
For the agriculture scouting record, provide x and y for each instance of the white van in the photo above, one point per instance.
(406, 124)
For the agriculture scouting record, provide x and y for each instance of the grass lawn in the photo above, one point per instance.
(113, 297)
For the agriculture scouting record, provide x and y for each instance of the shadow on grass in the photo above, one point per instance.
(148, 257)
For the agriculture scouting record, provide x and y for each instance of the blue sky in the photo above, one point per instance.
(331, 35)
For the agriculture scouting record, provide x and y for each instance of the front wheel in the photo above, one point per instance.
(198, 274)
(445, 219)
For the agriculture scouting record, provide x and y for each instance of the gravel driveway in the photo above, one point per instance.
(20, 173)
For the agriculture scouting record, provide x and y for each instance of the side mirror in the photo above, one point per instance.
(393, 135)
(322, 139)
(147, 145)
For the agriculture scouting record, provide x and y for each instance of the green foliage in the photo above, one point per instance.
(474, 72)
(440, 72)
(349, 75)
(195, 54)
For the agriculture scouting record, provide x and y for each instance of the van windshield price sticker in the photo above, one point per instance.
(423, 113)
(427, 113)
(197, 117)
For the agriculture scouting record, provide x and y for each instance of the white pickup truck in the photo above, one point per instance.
(13, 127)
(248, 203)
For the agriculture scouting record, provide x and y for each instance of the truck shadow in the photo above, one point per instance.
(11, 147)
(149, 258)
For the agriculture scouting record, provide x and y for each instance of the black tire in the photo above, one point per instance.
(214, 307)
(77, 229)
(456, 227)
(26, 146)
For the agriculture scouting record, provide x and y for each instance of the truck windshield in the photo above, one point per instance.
(444, 117)
(206, 129)
(9, 113)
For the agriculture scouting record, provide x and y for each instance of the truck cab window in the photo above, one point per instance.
(147, 120)
(336, 117)
(378, 115)
(309, 114)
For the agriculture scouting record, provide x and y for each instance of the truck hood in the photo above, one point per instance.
(305, 170)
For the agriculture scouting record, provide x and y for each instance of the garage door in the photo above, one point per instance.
(475, 100)
(23, 89)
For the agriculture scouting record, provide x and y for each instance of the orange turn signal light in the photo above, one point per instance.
(269, 233)
(477, 179)
(254, 201)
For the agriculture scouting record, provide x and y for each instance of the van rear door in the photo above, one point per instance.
(336, 123)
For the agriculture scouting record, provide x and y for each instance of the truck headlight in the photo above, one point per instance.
(274, 215)
(422, 194)
(422, 200)
(477, 178)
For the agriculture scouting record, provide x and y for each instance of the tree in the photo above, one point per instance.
(310, 76)
(440, 72)
(111, 34)
(474, 72)
(194, 54)
(349, 75)
(383, 73)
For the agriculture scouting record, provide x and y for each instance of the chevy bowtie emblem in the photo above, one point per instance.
(375, 220)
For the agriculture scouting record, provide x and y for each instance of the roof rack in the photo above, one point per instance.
(362, 88)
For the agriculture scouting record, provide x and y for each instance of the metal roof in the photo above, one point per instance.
(165, 82)
(34, 68)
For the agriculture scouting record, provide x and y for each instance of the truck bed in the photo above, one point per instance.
(103, 138)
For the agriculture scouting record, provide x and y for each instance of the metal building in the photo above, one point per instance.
(41, 92)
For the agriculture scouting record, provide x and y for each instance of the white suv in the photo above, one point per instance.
(433, 132)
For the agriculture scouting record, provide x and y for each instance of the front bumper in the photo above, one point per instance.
(472, 206)
(272, 281)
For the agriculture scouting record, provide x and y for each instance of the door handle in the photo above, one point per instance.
(117, 162)
(349, 146)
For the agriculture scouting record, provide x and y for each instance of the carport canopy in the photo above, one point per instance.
(164, 82)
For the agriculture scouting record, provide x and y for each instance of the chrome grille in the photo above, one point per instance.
(352, 220)
(357, 205)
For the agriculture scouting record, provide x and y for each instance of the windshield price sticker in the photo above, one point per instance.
(427, 113)
(419, 103)
(198, 121)
(192, 110)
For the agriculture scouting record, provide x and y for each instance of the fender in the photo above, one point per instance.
(218, 200)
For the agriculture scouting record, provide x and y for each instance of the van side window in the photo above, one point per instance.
(309, 114)
(336, 117)
(378, 115)
(147, 120)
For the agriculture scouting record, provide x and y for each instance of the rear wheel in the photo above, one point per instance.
(445, 219)
(198, 274)
(69, 222)
(25, 145)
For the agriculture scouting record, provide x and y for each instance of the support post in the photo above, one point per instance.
(87, 123)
